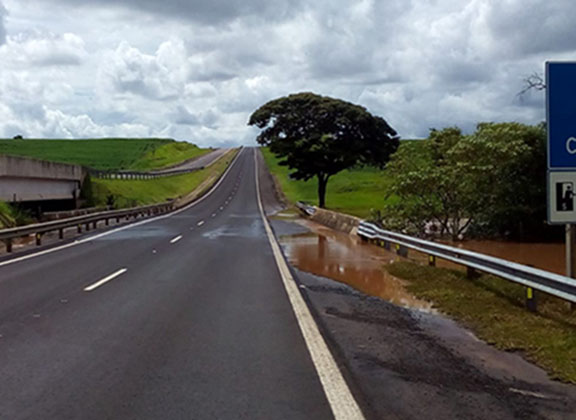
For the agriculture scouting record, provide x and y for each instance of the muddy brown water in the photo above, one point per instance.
(546, 256)
(347, 259)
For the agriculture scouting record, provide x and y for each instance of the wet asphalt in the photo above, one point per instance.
(197, 327)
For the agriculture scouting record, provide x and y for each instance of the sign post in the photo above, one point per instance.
(570, 255)
(561, 122)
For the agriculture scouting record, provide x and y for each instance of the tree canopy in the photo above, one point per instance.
(491, 181)
(319, 136)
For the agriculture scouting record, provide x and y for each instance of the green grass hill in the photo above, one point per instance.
(105, 154)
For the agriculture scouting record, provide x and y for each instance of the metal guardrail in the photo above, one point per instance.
(303, 206)
(533, 278)
(89, 222)
(139, 175)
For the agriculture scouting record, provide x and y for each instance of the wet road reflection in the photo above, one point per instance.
(346, 259)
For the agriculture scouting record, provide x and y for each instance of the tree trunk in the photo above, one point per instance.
(322, 182)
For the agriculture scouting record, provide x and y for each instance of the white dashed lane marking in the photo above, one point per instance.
(105, 280)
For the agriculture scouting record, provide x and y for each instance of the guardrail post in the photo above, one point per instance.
(38, 239)
(107, 221)
(88, 227)
(8, 244)
(61, 233)
(80, 228)
(531, 304)
(95, 225)
(472, 273)
(401, 250)
(432, 260)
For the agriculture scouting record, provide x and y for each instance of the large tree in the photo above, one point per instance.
(318, 136)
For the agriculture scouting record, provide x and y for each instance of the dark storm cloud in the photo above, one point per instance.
(534, 26)
(2, 29)
(184, 117)
(202, 11)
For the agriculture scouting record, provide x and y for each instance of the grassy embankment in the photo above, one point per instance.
(128, 193)
(7, 216)
(494, 309)
(114, 154)
(106, 154)
(491, 307)
(354, 191)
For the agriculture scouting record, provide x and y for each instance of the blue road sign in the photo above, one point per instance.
(561, 113)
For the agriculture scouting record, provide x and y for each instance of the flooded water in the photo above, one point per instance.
(546, 256)
(345, 258)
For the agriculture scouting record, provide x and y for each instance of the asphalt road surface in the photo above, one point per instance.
(180, 317)
(196, 163)
(195, 315)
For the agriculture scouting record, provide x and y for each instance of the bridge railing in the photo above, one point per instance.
(86, 222)
(125, 175)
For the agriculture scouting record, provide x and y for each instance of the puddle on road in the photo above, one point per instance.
(345, 258)
(138, 232)
(254, 230)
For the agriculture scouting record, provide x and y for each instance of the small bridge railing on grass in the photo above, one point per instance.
(126, 175)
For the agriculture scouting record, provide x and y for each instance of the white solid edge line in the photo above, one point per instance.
(176, 239)
(110, 232)
(105, 280)
(340, 398)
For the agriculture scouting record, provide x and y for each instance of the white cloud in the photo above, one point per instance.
(159, 76)
(37, 49)
(196, 70)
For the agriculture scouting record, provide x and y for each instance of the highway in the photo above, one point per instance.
(186, 316)
(196, 163)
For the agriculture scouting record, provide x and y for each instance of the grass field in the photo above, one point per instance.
(105, 154)
(7, 218)
(354, 191)
(129, 193)
(494, 310)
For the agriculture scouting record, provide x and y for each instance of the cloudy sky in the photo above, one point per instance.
(195, 69)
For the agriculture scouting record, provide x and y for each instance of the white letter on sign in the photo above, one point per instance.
(570, 146)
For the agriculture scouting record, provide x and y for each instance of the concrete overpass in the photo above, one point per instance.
(24, 180)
